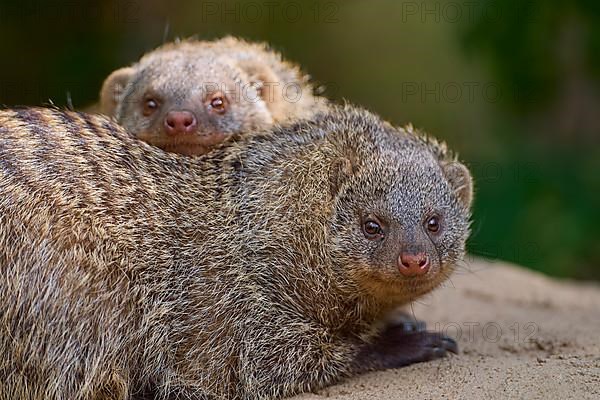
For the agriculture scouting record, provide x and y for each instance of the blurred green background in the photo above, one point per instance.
(513, 85)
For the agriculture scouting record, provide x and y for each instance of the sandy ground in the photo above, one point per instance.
(522, 335)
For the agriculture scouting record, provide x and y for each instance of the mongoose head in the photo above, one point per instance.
(401, 210)
(189, 96)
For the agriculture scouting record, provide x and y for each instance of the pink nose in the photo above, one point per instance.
(180, 122)
(413, 264)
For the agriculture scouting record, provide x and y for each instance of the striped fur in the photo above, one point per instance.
(128, 272)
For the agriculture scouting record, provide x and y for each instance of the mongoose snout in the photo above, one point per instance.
(182, 128)
(413, 259)
(180, 123)
(413, 264)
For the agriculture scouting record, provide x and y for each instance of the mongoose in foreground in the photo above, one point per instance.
(188, 96)
(257, 271)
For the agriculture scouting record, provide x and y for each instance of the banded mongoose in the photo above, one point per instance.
(188, 96)
(257, 271)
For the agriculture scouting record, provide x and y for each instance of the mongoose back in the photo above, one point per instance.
(188, 96)
(257, 271)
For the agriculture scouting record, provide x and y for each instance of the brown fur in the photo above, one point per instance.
(260, 89)
(244, 274)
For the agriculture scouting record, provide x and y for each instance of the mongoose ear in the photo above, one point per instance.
(341, 169)
(461, 181)
(113, 88)
(266, 82)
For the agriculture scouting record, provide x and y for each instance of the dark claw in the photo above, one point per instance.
(436, 352)
(449, 344)
(432, 345)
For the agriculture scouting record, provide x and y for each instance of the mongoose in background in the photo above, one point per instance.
(186, 97)
(257, 271)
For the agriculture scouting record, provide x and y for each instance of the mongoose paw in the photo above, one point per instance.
(396, 347)
(408, 347)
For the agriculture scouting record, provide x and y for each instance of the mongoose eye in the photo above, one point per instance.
(372, 229)
(150, 105)
(433, 224)
(218, 103)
